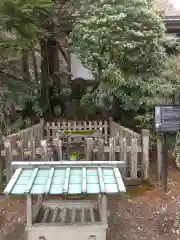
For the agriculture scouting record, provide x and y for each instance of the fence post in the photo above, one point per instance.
(54, 130)
(88, 149)
(8, 160)
(110, 127)
(159, 159)
(58, 148)
(100, 149)
(112, 149)
(48, 131)
(106, 131)
(134, 145)
(123, 154)
(32, 147)
(20, 149)
(145, 152)
(44, 153)
(42, 129)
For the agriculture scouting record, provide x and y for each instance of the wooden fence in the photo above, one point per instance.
(36, 132)
(117, 131)
(52, 129)
(118, 142)
(135, 166)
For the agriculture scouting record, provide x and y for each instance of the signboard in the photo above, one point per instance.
(167, 118)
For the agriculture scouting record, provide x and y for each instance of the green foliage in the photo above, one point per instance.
(25, 18)
(23, 23)
(88, 104)
(122, 43)
(172, 44)
(120, 32)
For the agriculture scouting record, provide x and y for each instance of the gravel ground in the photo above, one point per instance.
(151, 216)
(12, 218)
(148, 215)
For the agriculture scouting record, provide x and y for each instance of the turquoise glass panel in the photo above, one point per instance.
(76, 172)
(75, 179)
(57, 184)
(38, 189)
(92, 172)
(22, 180)
(17, 173)
(10, 185)
(109, 179)
(93, 188)
(60, 172)
(40, 180)
(58, 180)
(26, 173)
(108, 172)
(111, 188)
(19, 189)
(57, 189)
(74, 189)
(43, 173)
(92, 179)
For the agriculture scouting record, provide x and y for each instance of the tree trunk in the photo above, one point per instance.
(45, 77)
(35, 68)
(25, 65)
(53, 57)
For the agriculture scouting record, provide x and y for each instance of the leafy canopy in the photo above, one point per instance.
(25, 18)
(22, 24)
(121, 43)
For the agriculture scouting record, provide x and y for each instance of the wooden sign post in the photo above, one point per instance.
(166, 120)
(165, 164)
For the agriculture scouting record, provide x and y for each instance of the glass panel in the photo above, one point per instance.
(111, 188)
(26, 173)
(38, 189)
(75, 179)
(17, 173)
(58, 180)
(93, 188)
(57, 189)
(109, 179)
(92, 172)
(92, 179)
(10, 185)
(19, 189)
(108, 172)
(40, 181)
(22, 181)
(60, 172)
(76, 172)
(43, 173)
(74, 188)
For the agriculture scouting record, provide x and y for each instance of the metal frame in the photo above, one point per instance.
(56, 164)
(161, 106)
(47, 186)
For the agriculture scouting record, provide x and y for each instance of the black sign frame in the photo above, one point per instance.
(165, 134)
(161, 106)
